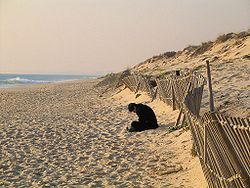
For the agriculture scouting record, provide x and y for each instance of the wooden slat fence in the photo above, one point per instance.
(172, 89)
(165, 91)
(139, 82)
(180, 88)
(219, 167)
(237, 130)
(194, 96)
(222, 143)
(131, 82)
(145, 86)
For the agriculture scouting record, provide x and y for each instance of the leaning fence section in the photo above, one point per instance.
(222, 143)
(165, 91)
(172, 89)
(238, 133)
(193, 96)
(131, 82)
(221, 166)
(139, 83)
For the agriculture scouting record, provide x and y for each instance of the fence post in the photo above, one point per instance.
(137, 87)
(155, 93)
(173, 95)
(211, 98)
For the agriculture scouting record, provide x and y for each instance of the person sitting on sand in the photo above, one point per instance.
(147, 118)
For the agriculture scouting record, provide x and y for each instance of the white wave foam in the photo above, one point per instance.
(18, 80)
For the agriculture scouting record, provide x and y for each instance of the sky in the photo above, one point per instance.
(103, 36)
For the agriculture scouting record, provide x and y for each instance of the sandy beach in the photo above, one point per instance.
(73, 135)
(69, 70)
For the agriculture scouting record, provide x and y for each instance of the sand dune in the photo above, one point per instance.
(229, 60)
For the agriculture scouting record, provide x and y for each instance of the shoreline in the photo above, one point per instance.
(71, 134)
(24, 80)
(27, 86)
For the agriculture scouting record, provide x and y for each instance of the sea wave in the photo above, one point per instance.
(18, 80)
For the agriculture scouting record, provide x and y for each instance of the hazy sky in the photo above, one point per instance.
(90, 36)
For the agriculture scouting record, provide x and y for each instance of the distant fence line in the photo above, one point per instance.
(222, 143)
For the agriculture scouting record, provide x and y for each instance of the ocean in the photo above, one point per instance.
(13, 80)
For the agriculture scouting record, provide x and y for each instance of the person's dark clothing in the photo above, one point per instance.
(147, 119)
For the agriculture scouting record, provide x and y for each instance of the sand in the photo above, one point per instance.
(230, 72)
(73, 135)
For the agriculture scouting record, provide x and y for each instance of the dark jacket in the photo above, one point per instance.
(146, 116)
